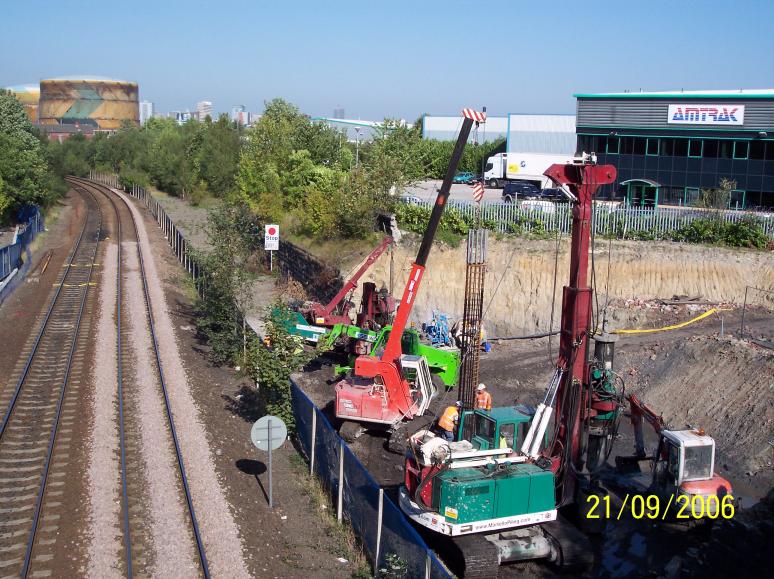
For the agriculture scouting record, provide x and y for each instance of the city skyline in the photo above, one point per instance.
(398, 60)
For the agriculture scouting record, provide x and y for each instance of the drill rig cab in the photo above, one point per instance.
(683, 462)
(364, 399)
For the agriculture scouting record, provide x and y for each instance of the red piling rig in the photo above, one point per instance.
(565, 451)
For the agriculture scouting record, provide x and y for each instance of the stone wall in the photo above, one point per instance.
(320, 281)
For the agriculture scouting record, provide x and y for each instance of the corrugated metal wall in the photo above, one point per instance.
(446, 128)
(652, 113)
(549, 134)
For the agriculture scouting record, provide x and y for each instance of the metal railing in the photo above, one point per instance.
(608, 220)
(184, 251)
(10, 255)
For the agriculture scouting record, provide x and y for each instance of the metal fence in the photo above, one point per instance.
(182, 248)
(11, 255)
(608, 220)
(386, 535)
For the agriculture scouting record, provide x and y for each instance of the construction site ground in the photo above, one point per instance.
(695, 376)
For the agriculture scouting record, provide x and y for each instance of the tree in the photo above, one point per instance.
(23, 167)
(226, 294)
(271, 364)
(718, 198)
(218, 156)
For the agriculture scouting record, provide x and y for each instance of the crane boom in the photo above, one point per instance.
(379, 391)
(351, 283)
(392, 350)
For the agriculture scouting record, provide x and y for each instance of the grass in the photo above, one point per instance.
(346, 543)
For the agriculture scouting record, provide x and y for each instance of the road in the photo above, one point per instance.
(427, 190)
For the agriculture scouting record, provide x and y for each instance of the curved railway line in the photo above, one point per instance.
(36, 433)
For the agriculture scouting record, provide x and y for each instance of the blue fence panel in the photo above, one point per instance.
(361, 502)
(326, 454)
(303, 410)
(360, 495)
(10, 255)
(401, 539)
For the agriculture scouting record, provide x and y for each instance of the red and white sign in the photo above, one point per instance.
(478, 191)
(271, 237)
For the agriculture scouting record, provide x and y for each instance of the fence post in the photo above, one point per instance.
(744, 309)
(314, 441)
(379, 516)
(340, 502)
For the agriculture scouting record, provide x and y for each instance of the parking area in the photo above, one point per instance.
(427, 190)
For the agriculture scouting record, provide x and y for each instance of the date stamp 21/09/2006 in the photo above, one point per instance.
(653, 507)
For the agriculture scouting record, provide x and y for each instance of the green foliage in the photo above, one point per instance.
(394, 567)
(717, 198)
(270, 364)
(226, 293)
(745, 233)
(24, 168)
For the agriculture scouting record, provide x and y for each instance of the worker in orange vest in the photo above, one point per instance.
(448, 421)
(483, 398)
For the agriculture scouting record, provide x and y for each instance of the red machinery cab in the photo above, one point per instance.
(369, 399)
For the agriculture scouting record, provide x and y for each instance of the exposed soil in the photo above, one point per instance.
(719, 383)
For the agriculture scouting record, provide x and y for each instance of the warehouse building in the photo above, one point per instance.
(668, 146)
(523, 133)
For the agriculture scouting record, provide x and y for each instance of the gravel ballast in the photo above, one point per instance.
(104, 546)
(172, 540)
(218, 528)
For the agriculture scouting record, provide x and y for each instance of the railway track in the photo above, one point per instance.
(139, 552)
(38, 421)
(43, 422)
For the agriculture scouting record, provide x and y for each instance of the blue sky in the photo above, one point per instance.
(391, 58)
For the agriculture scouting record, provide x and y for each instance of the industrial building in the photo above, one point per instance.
(524, 133)
(668, 146)
(29, 96)
(88, 103)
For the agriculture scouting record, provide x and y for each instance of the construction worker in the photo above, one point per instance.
(448, 421)
(483, 398)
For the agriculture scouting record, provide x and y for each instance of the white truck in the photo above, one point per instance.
(504, 167)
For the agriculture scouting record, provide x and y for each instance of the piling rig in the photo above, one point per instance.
(497, 491)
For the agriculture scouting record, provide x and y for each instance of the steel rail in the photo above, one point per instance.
(43, 326)
(162, 381)
(60, 400)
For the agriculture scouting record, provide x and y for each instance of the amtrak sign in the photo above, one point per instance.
(723, 115)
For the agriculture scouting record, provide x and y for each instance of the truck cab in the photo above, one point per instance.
(685, 465)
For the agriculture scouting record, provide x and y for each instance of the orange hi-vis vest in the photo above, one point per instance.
(450, 415)
(483, 400)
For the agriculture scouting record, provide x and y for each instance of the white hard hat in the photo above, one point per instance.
(481, 387)
(458, 403)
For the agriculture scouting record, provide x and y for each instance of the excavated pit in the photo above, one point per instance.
(694, 376)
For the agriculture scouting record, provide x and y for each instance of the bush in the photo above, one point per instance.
(271, 364)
